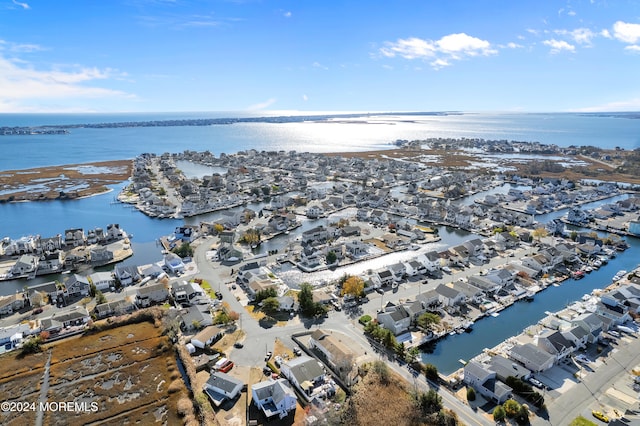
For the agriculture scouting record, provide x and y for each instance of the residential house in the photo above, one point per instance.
(100, 255)
(102, 280)
(195, 317)
(319, 234)
(25, 265)
(484, 381)
(356, 248)
(74, 237)
(117, 307)
(472, 293)
(12, 303)
(174, 263)
(286, 303)
(576, 335)
(315, 211)
(151, 294)
(459, 254)
(505, 367)
(221, 387)
(556, 344)
(532, 357)
(11, 336)
(384, 276)
(589, 323)
(413, 268)
(77, 316)
(274, 398)
(186, 292)
(475, 247)
(617, 314)
(430, 260)
(396, 320)
(206, 337)
(398, 270)
(305, 373)
(40, 294)
(126, 275)
(334, 350)
(78, 286)
(449, 296)
(114, 232)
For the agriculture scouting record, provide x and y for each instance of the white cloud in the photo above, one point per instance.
(22, 86)
(579, 35)
(512, 45)
(287, 14)
(21, 4)
(633, 48)
(262, 105)
(441, 52)
(605, 33)
(558, 46)
(571, 13)
(19, 47)
(319, 65)
(305, 98)
(627, 33)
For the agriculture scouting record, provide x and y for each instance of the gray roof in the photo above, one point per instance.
(276, 390)
(447, 292)
(224, 382)
(505, 367)
(534, 354)
(305, 368)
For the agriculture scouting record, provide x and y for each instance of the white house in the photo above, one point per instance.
(484, 382)
(274, 398)
(173, 262)
(397, 320)
(102, 280)
(221, 387)
(206, 337)
(304, 372)
(151, 294)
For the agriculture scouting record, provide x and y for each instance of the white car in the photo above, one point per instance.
(583, 359)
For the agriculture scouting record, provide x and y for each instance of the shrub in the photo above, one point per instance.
(499, 414)
(364, 319)
(471, 394)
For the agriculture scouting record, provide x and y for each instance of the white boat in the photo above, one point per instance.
(619, 275)
(494, 314)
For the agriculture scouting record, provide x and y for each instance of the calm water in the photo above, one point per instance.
(83, 145)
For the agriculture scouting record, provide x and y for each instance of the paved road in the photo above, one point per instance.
(589, 393)
(259, 340)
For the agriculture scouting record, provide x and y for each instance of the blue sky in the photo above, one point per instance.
(251, 55)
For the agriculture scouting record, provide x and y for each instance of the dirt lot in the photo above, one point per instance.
(62, 182)
(129, 371)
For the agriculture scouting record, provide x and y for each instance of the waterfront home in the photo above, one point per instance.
(627, 296)
(74, 237)
(505, 367)
(40, 294)
(174, 263)
(459, 254)
(505, 241)
(384, 277)
(538, 263)
(590, 323)
(117, 307)
(397, 320)
(51, 244)
(472, 293)
(274, 398)
(501, 276)
(449, 296)
(577, 216)
(316, 235)
(114, 232)
(556, 344)
(335, 352)
(12, 303)
(152, 271)
(356, 248)
(398, 270)
(315, 211)
(474, 246)
(484, 381)
(206, 337)
(221, 387)
(151, 294)
(305, 373)
(126, 275)
(430, 300)
(25, 265)
(532, 357)
(50, 262)
(430, 260)
(617, 314)
(100, 255)
(102, 280)
(78, 285)
(578, 336)
(485, 284)
(413, 268)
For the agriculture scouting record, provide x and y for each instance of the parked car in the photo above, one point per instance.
(600, 416)
(219, 295)
(535, 382)
(238, 345)
(297, 351)
(37, 311)
(267, 357)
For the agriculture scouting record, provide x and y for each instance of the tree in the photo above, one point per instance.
(353, 286)
(499, 414)
(471, 394)
(31, 346)
(431, 372)
(331, 258)
(427, 320)
(100, 298)
(539, 233)
(218, 228)
(382, 370)
(305, 298)
(264, 294)
(511, 408)
(92, 290)
(573, 235)
(184, 250)
(270, 305)
(429, 402)
(523, 415)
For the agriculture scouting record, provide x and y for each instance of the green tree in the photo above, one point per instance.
(471, 394)
(381, 369)
(270, 305)
(100, 298)
(427, 320)
(92, 290)
(511, 408)
(183, 250)
(331, 258)
(499, 413)
(31, 346)
(305, 298)
(264, 294)
(429, 402)
(523, 415)
(431, 372)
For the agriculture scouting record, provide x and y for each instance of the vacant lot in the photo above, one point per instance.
(129, 371)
